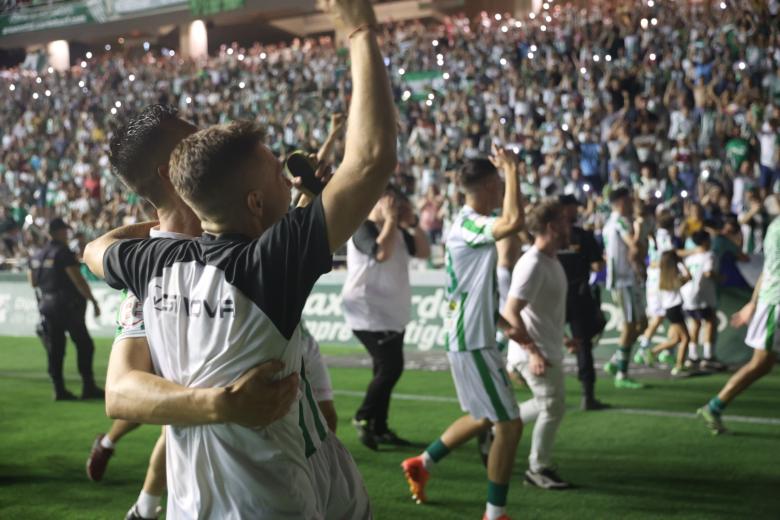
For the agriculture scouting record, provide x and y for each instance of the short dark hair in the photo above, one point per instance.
(474, 171)
(202, 162)
(619, 193)
(546, 212)
(700, 237)
(137, 148)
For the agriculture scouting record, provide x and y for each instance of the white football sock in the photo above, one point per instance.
(147, 505)
(494, 512)
(106, 443)
(707, 353)
(693, 351)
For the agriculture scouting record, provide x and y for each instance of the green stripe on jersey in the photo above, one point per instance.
(771, 325)
(119, 328)
(472, 226)
(321, 431)
(459, 325)
(490, 387)
(308, 444)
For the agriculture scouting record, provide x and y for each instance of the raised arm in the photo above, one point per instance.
(95, 250)
(370, 150)
(512, 214)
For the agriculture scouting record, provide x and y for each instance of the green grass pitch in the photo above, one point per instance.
(626, 465)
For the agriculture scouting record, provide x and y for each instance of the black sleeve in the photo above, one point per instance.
(594, 248)
(365, 238)
(411, 247)
(65, 258)
(289, 258)
(131, 264)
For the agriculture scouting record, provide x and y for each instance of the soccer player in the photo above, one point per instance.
(536, 309)
(621, 248)
(478, 371)
(762, 314)
(235, 296)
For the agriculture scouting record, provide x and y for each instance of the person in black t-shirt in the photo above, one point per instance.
(583, 313)
(62, 300)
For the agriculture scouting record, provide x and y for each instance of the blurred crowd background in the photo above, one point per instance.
(678, 100)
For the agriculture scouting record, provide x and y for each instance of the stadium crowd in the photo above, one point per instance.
(677, 100)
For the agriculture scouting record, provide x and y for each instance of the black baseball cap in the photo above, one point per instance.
(57, 224)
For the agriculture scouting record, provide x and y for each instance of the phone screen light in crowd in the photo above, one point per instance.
(263, 55)
(188, 100)
(502, 120)
(548, 18)
(446, 75)
(118, 104)
(652, 56)
(429, 103)
(171, 53)
(38, 80)
(89, 55)
(516, 149)
(131, 77)
(120, 41)
(654, 22)
(35, 95)
(435, 43)
(586, 187)
(147, 46)
(85, 90)
(658, 194)
(534, 48)
(518, 24)
(431, 96)
(11, 87)
(440, 57)
(241, 84)
(50, 70)
(107, 47)
(406, 95)
(596, 58)
(643, 23)
(565, 127)
(47, 93)
(530, 55)
(608, 57)
(503, 62)
(497, 17)
(531, 15)
(543, 28)
(583, 70)
(650, 3)
(504, 28)
(113, 111)
(401, 71)
(723, 5)
(705, 174)
(83, 64)
(742, 65)
(81, 83)
(240, 57)
(545, 6)
(684, 194)
(230, 51)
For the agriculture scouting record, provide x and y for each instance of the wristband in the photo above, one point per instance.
(363, 27)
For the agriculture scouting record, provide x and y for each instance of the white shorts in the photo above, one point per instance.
(762, 331)
(482, 384)
(341, 494)
(655, 308)
(631, 303)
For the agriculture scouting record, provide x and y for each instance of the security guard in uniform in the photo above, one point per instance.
(583, 313)
(62, 300)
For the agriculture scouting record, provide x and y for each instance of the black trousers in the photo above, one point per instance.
(387, 354)
(586, 372)
(70, 319)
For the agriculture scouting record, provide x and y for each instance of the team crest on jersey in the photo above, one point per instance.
(130, 313)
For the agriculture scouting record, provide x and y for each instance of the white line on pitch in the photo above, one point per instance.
(630, 411)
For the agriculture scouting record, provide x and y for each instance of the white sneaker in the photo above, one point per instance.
(546, 479)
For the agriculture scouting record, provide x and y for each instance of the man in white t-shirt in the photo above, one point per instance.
(478, 371)
(536, 308)
(622, 245)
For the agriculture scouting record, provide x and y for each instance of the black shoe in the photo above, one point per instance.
(64, 395)
(93, 392)
(713, 364)
(365, 433)
(484, 443)
(591, 405)
(389, 437)
(546, 479)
